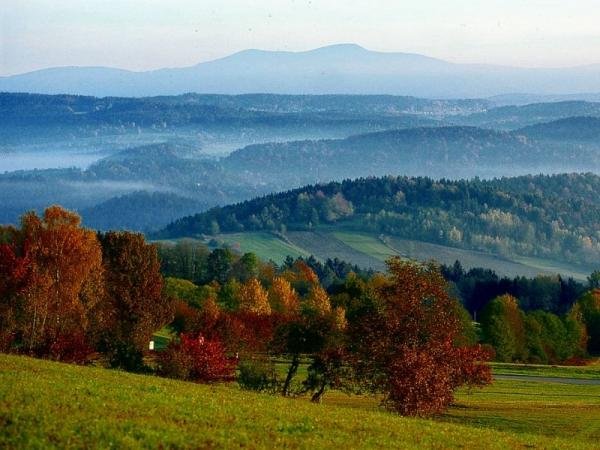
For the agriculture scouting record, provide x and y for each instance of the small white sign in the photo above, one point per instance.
(151, 345)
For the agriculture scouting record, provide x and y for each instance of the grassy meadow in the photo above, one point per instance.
(370, 250)
(50, 405)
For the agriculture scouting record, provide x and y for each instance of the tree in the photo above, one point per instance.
(503, 327)
(317, 301)
(254, 298)
(594, 280)
(407, 347)
(283, 298)
(135, 301)
(589, 306)
(15, 276)
(66, 272)
(220, 263)
(246, 267)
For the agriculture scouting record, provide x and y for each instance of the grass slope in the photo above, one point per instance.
(371, 251)
(50, 405)
(265, 245)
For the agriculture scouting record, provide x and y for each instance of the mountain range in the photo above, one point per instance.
(335, 69)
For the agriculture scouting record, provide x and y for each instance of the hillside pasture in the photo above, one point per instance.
(51, 405)
(371, 251)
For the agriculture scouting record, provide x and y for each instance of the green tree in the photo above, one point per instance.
(589, 306)
(503, 327)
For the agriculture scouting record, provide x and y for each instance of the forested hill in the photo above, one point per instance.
(578, 129)
(432, 151)
(556, 216)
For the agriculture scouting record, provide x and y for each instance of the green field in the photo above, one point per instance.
(265, 245)
(371, 251)
(51, 405)
(589, 372)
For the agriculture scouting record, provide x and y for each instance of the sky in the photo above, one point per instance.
(150, 34)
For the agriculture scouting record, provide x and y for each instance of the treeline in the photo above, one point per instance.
(562, 319)
(71, 294)
(68, 293)
(544, 216)
(478, 286)
(540, 336)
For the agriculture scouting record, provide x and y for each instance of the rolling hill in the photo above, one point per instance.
(553, 217)
(518, 116)
(575, 129)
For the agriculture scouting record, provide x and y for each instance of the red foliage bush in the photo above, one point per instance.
(197, 359)
(73, 348)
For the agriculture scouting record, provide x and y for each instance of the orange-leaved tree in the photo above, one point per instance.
(65, 261)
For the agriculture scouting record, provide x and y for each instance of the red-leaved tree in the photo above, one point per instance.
(408, 345)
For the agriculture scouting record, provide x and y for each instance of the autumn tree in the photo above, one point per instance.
(196, 358)
(317, 332)
(406, 345)
(135, 301)
(254, 298)
(15, 276)
(282, 297)
(65, 261)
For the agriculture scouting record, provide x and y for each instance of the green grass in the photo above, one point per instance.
(546, 409)
(371, 251)
(589, 372)
(326, 245)
(265, 245)
(162, 338)
(52, 405)
(366, 243)
(546, 266)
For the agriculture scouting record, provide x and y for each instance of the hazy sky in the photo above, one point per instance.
(146, 34)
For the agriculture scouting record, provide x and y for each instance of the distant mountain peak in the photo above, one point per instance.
(343, 47)
(344, 68)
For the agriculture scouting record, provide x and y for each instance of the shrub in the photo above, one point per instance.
(258, 375)
(124, 355)
(195, 358)
(72, 348)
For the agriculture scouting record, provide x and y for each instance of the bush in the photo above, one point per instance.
(71, 348)
(196, 359)
(258, 375)
(124, 355)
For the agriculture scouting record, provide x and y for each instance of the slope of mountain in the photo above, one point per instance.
(141, 210)
(445, 152)
(543, 216)
(441, 152)
(514, 117)
(577, 129)
(336, 69)
(527, 99)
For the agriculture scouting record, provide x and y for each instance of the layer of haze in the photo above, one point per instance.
(148, 34)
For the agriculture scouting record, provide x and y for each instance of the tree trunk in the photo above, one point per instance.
(316, 398)
(290, 375)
